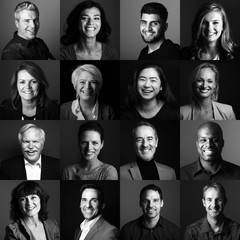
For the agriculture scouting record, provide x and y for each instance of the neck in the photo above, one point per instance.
(88, 44)
(205, 104)
(156, 45)
(215, 222)
(211, 49)
(32, 221)
(28, 104)
(89, 165)
(151, 222)
(148, 106)
(211, 166)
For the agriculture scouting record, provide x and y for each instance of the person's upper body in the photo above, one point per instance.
(94, 226)
(204, 95)
(210, 165)
(25, 45)
(153, 25)
(30, 223)
(149, 96)
(151, 225)
(87, 81)
(87, 34)
(145, 141)
(215, 225)
(32, 165)
(211, 39)
(29, 100)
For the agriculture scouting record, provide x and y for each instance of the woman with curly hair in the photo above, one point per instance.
(211, 38)
(87, 34)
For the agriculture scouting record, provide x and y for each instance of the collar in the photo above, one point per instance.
(142, 224)
(88, 224)
(23, 41)
(38, 163)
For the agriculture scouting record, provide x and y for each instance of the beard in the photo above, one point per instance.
(152, 39)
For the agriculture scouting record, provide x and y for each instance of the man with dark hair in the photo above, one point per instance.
(153, 26)
(25, 45)
(94, 226)
(150, 225)
(215, 225)
(210, 165)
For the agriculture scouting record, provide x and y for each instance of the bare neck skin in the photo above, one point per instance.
(89, 165)
(151, 222)
(29, 107)
(210, 51)
(87, 106)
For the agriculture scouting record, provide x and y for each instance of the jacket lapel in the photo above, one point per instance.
(94, 229)
(135, 172)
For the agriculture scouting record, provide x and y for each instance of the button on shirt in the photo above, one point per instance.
(33, 171)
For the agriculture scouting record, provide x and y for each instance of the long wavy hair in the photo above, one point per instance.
(227, 44)
(36, 72)
(73, 34)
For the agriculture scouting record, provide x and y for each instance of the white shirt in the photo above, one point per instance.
(86, 226)
(33, 171)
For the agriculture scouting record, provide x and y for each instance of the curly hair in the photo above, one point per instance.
(72, 34)
(24, 189)
(227, 46)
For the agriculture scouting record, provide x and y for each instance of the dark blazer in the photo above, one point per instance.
(14, 169)
(101, 230)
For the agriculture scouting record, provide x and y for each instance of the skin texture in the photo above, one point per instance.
(28, 24)
(145, 143)
(30, 205)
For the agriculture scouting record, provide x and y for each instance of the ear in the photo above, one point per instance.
(17, 23)
(156, 142)
(165, 27)
(203, 202)
(162, 203)
(102, 144)
(103, 206)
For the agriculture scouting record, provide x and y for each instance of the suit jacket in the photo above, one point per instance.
(14, 168)
(101, 230)
(220, 111)
(131, 171)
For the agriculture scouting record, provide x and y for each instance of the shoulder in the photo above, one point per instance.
(109, 52)
(109, 172)
(106, 112)
(164, 167)
(186, 172)
(67, 52)
(223, 111)
(169, 226)
(223, 106)
(130, 226)
(108, 231)
(50, 159)
(185, 112)
(66, 105)
(12, 160)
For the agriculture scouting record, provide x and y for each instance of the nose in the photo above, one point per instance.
(88, 204)
(30, 145)
(144, 143)
(88, 85)
(209, 142)
(204, 84)
(147, 83)
(32, 24)
(149, 26)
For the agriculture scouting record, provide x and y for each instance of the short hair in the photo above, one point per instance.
(211, 124)
(96, 187)
(151, 187)
(194, 77)
(24, 189)
(36, 72)
(90, 126)
(155, 8)
(90, 68)
(144, 123)
(25, 6)
(72, 34)
(28, 126)
(218, 187)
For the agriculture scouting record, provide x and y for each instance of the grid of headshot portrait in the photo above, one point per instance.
(119, 120)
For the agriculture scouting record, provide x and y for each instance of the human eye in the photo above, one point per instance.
(84, 18)
(21, 81)
(155, 24)
(97, 18)
(83, 200)
(94, 82)
(139, 140)
(141, 79)
(215, 22)
(94, 200)
(156, 200)
(34, 81)
(82, 82)
(202, 140)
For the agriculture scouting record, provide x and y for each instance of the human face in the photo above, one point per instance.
(148, 84)
(27, 86)
(151, 204)
(205, 84)
(87, 86)
(209, 143)
(90, 22)
(145, 143)
(212, 26)
(213, 202)
(90, 205)
(30, 205)
(90, 145)
(152, 28)
(32, 145)
(28, 24)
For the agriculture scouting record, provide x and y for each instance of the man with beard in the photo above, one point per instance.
(153, 26)
(25, 45)
(151, 225)
(145, 140)
(215, 225)
(210, 165)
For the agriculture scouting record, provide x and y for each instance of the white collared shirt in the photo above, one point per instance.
(33, 171)
(86, 226)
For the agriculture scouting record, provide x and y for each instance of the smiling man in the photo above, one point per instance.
(215, 225)
(210, 165)
(94, 226)
(145, 141)
(151, 225)
(32, 164)
(153, 26)
(25, 44)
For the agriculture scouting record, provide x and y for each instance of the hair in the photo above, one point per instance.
(194, 77)
(96, 187)
(90, 126)
(212, 125)
(134, 99)
(155, 8)
(72, 34)
(36, 72)
(144, 123)
(25, 6)
(28, 126)
(151, 187)
(227, 44)
(24, 189)
(218, 187)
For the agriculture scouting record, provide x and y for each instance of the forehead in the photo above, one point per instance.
(206, 73)
(32, 133)
(90, 193)
(209, 131)
(91, 135)
(212, 193)
(22, 74)
(144, 131)
(91, 11)
(150, 17)
(86, 75)
(211, 16)
(26, 14)
(149, 72)
(151, 194)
